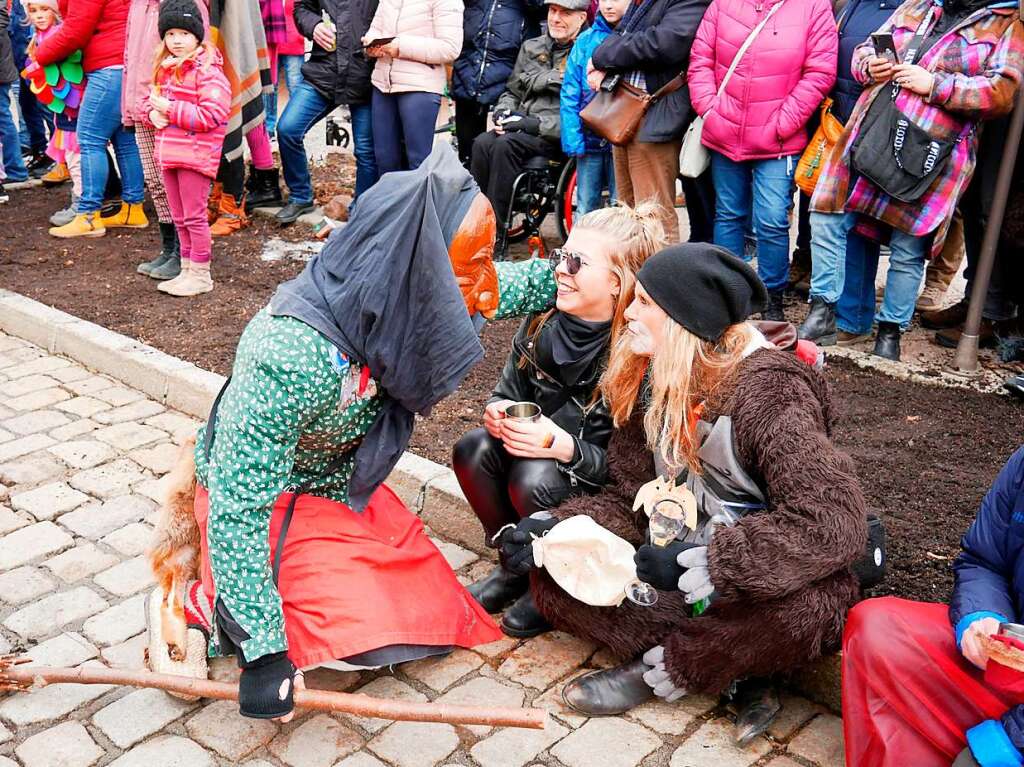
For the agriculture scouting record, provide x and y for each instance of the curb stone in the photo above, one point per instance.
(426, 487)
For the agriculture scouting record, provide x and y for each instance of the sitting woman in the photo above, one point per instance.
(512, 468)
(698, 396)
(306, 558)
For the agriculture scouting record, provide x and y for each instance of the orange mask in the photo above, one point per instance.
(470, 253)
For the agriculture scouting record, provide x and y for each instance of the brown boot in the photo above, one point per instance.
(950, 337)
(213, 203)
(195, 281)
(949, 317)
(232, 217)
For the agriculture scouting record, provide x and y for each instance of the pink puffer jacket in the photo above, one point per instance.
(779, 83)
(141, 42)
(429, 35)
(200, 102)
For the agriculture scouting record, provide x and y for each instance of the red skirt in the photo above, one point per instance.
(351, 583)
(908, 694)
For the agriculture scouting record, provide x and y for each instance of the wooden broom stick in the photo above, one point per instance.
(15, 674)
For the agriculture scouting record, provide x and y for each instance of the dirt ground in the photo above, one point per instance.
(925, 455)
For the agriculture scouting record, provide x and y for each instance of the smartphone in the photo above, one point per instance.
(383, 41)
(884, 46)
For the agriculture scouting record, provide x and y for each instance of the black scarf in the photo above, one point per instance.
(382, 290)
(576, 343)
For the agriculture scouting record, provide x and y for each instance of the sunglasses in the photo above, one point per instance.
(573, 261)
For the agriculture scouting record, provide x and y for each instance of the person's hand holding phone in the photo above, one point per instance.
(880, 69)
(913, 78)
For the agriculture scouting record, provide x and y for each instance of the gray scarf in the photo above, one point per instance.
(383, 291)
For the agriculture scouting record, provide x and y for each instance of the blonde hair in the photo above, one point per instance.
(638, 234)
(204, 48)
(684, 374)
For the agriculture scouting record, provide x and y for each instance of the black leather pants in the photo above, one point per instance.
(501, 488)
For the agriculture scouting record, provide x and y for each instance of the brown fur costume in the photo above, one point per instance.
(782, 577)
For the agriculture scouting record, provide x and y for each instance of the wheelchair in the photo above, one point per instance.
(546, 185)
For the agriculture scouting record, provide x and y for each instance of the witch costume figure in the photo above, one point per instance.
(306, 558)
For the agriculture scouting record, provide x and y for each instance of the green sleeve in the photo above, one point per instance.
(258, 427)
(524, 287)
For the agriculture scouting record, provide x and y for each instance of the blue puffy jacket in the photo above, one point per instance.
(493, 31)
(857, 20)
(576, 94)
(989, 573)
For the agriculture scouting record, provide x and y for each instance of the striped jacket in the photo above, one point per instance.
(200, 100)
(978, 67)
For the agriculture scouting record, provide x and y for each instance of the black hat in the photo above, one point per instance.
(703, 287)
(181, 14)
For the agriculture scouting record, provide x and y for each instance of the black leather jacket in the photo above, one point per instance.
(571, 408)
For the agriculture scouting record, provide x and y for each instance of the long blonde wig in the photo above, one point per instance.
(686, 374)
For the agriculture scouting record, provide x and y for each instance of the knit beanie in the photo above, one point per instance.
(181, 14)
(703, 287)
(51, 4)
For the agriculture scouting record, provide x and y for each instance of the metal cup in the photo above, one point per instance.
(523, 411)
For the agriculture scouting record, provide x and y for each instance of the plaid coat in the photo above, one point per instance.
(978, 67)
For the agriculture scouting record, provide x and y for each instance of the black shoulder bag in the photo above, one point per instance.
(892, 151)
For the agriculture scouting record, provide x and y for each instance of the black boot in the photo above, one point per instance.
(168, 260)
(39, 165)
(773, 311)
(523, 620)
(820, 325)
(609, 692)
(265, 189)
(499, 589)
(887, 342)
(757, 704)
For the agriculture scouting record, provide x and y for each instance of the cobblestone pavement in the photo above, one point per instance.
(80, 459)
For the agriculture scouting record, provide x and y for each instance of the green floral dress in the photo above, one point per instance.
(294, 405)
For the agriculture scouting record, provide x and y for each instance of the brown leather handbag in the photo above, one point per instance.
(616, 114)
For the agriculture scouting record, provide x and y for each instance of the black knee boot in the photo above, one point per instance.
(820, 325)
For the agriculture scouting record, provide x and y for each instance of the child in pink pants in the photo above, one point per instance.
(190, 102)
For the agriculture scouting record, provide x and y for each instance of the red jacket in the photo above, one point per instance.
(198, 117)
(95, 26)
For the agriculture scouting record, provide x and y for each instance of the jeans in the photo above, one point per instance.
(902, 284)
(595, 172)
(765, 189)
(305, 108)
(36, 120)
(99, 122)
(855, 310)
(291, 68)
(403, 120)
(13, 164)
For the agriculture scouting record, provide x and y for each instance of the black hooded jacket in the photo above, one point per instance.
(341, 75)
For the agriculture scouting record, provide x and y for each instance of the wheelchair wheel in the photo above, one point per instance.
(565, 198)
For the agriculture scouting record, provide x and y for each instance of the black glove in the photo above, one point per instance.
(501, 114)
(517, 545)
(266, 687)
(518, 124)
(657, 565)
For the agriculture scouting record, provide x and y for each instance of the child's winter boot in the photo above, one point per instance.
(167, 264)
(130, 216)
(82, 225)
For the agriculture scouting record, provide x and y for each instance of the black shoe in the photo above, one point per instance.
(1015, 386)
(168, 251)
(39, 165)
(757, 704)
(887, 342)
(609, 692)
(523, 620)
(820, 325)
(290, 213)
(499, 589)
(264, 189)
(773, 311)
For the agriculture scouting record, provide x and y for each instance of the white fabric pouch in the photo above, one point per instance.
(588, 562)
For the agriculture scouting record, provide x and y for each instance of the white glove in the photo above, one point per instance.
(695, 583)
(658, 678)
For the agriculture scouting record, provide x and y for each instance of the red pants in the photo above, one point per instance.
(908, 694)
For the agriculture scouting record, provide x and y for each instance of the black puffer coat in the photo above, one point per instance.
(341, 75)
(493, 31)
(655, 38)
(571, 407)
